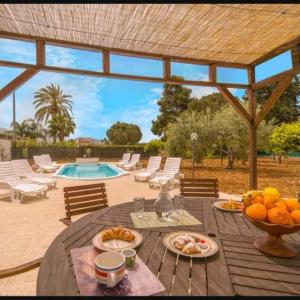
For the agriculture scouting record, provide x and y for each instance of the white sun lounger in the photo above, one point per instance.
(125, 159)
(39, 161)
(23, 170)
(170, 171)
(135, 158)
(18, 188)
(149, 172)
(48, 161)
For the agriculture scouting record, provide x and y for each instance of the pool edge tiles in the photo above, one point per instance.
(58, 173)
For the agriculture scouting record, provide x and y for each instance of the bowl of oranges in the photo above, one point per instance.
(267, 210)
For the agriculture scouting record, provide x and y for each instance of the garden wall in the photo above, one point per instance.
(59, 152)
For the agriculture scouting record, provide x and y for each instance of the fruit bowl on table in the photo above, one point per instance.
(272, 243)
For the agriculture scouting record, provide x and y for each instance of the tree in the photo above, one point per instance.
(154, 147)
(124, 134)
(223, 133)
(285, 138)
(174, 100)
(29, 128)
(61, 127)
(212, 103)
(287, 108)
(51, 102)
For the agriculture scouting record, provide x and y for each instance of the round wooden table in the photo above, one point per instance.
(237, 269)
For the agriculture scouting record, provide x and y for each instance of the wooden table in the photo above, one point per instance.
(237, 269)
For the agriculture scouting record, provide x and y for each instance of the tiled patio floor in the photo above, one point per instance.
(27, 229)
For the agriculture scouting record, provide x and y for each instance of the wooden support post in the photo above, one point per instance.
(295, 53)
(40, 53)
(14, 119)
(17, 82)
(252, 150)
(212, 73)
(280, 88)
(106, 62)
(167, 68)
(234, 102)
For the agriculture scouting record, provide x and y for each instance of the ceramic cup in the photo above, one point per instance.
(110, 268)
(130, 255)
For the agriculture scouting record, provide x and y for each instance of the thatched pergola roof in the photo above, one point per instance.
(238, 33)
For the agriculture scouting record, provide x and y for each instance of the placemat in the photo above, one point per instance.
(150, 219)
(139, 280)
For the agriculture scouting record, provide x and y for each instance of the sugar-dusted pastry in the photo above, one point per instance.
(179, 243)
(191, 248)
(188, 238)
(118, 233)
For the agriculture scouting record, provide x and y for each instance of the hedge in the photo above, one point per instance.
(59, 152)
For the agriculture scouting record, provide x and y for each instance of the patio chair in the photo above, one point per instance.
(23, 170)
(135, 159)
(18, 188)
(199, 188)
(152, 167)
(125, 159)
(82, 199)
(42, 166)
(170, 172)
(48, 161)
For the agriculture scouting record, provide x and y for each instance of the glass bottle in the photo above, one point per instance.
(163, 205)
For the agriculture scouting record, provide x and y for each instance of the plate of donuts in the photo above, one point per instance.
(190, 244)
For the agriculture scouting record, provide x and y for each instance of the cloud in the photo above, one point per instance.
(157, 90)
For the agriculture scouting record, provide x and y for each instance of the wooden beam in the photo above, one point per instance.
(276, 78)
(77, 45)
(212, 73)
(252, 130)
(295, 54)
(280, 88)
(278, 50)
(106, 62)
(40, 53)
(16, 83)
(167, 68)
(234, 102)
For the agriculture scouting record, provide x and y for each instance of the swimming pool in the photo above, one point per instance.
(89, 171)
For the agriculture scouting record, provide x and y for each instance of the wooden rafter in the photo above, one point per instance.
(167, 68)
(212, 73)
(17, 82)
(105, 62)
(234, 102)
(280, 88)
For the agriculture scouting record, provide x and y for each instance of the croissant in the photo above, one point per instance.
(191, 248)
(118, 233)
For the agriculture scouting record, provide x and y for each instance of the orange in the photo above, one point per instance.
(295, 214)
(270, 191)
(258, 199)
(256, 211)
(279, 215)
(292, 204)
(269, 201)
(281, 203)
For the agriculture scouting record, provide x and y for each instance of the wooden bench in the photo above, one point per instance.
(200, 188)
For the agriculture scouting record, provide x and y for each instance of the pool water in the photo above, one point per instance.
(89, 171)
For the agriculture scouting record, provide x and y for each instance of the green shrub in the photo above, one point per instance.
(154, 147)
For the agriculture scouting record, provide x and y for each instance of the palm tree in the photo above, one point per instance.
(61, 127)
(51, 102)
(29, 128)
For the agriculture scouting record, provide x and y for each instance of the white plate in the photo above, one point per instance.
(211, 250)
(218, 205)
(116, 245)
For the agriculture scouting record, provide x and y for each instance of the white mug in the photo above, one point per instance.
(110, 268)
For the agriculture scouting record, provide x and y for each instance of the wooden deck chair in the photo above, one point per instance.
(82, 199)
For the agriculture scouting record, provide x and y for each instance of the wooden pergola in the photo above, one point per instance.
(216, 35)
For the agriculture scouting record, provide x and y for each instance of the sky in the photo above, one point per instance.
(100, 102)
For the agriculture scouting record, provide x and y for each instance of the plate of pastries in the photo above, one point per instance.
(117, 239)
(190, 244)
(229, 205)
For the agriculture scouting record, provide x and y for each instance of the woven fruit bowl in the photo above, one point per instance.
(272, 243)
